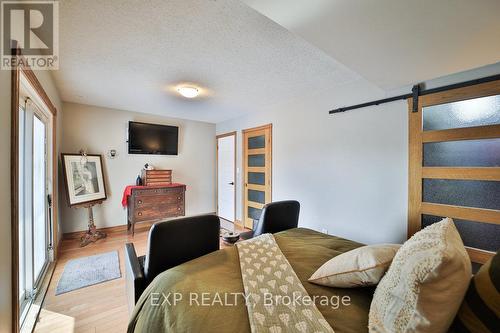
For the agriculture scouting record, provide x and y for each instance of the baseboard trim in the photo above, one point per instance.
(114, 229)
(109, 230)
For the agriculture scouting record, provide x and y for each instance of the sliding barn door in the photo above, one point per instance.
(257, 166)
(455, 165)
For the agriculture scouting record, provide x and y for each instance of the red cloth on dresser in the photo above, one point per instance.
(128, 190)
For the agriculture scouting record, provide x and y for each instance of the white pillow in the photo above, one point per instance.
(360, 267)
(425, 284)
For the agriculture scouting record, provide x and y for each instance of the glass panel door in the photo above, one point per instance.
(21, 198)
(455, 165)
(461, 157)
(257, 173)
(39, 197)
(34, 228)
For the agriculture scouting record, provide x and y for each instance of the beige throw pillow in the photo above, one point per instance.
(425, 284)
(363, 266)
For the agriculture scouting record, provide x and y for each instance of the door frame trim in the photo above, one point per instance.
(217, 137)
(244, 167)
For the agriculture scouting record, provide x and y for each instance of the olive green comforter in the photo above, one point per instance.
(205, 294)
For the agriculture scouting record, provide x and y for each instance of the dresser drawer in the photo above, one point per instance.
(158, 213)
(146, 215)
(148, 201)
(157, 191)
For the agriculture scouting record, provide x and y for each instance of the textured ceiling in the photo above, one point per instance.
(129, 54)
(394, 43)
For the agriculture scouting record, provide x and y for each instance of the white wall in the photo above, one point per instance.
(5, 231)
(349, 170)
(99, 129)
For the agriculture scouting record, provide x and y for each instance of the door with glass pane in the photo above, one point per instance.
(33, 202)
(455, 165)
(257, 166)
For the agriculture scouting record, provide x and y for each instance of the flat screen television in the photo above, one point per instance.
(152, 139)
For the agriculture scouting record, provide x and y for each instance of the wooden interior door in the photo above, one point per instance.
(257, 169)
(454, 166)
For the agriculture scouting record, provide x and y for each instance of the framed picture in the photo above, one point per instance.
(83, 178)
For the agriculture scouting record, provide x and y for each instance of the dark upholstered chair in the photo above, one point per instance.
(276, 216)
(170, 243)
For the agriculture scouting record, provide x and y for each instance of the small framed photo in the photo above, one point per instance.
(84, 178)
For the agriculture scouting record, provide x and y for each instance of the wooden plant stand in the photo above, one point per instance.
(92, 234)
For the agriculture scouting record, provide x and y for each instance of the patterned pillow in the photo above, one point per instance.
(480, 310)
(425, 284)
(360, 267)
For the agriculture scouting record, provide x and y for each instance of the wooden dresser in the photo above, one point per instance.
(155, 203)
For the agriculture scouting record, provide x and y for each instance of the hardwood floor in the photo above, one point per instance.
(98, 308)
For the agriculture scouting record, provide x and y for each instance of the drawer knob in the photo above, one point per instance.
(140, 214)
(178, 208)
(139, 202)
(178, 198)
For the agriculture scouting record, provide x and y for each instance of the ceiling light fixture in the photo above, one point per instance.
(188, 92)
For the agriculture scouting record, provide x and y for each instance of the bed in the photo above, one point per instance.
(219, 273)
